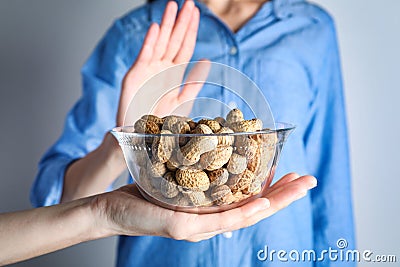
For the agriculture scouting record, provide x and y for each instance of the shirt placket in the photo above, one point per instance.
(232, 59)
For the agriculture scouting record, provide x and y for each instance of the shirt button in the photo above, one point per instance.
(228, 234)
(233, 51)
(232, 104)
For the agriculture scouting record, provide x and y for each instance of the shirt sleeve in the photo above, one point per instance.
(326, 144)
(88, 121)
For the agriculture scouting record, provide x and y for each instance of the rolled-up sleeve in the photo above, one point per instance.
(88, 121)
(326, 143)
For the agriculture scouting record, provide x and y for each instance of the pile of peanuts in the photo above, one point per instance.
(203, 163)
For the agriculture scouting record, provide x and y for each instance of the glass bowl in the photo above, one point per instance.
(202, 173)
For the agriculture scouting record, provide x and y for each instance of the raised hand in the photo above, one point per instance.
(164, 46)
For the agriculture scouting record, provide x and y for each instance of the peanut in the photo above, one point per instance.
(156, 169)
(235, 115)
(220, 120)
(255, 162)
(241, 181)
(180, 127)
(163, 147)
(168, 186)
(173, 164)
(182, 201)
(192, 179)
(192, 125)
(246, 126)
(146, 126)
(216, 158)
(225, 138)
(238, 196)
(237, 164)
(267, 155)
(153, 118)
(197, 198)
(218, 177)
(170, 121)
(191, 152)
(254, 187)
(246, 146)
(214, 125)
(222, 194)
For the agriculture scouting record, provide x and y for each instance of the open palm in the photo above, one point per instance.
(164, 46)
(127, 213)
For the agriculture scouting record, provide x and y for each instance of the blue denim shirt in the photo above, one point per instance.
(289, 49)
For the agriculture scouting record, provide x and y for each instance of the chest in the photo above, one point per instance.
(282, 78)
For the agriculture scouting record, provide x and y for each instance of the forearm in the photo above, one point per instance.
(95, 172)
(31, 233)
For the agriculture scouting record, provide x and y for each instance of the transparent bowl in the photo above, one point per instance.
(175, 172)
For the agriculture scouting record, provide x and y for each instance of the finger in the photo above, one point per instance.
(169, 98)
(167, 24)
(302, 184)
(147, 51)
(195, 81)
(179, 30)
(198, 238)
(281, 198)
(285, 179)
(189, 42)
(230, 221)
(235, 219)
(212, 224)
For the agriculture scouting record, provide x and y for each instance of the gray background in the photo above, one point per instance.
(44, 43)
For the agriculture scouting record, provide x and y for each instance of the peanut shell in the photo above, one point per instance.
(225, 139)
(163, 147)
(222, 194)
(246, 126)
(192, 179)
(241, 181)
(146, 126)
(153, 118)
(237, 164)
(235, 115)
(220, 120)
(168, 186)
(214, 125)
(191, 152)
(156, 169)
(218, 177)
(216, 158)
(246, 146)
(197, 198)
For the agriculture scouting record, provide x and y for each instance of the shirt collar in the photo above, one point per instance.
(284, 8)
(281, 8)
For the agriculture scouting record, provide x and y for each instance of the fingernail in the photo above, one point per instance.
(314, 182)
(265, 204)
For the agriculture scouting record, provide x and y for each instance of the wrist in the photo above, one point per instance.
(111, 151)
(98, 210)
(94, 173)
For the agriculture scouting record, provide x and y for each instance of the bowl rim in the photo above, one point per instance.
(279, 127)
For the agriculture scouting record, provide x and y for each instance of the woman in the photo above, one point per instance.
(288, 47)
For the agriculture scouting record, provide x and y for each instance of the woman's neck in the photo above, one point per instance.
(234, 13)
